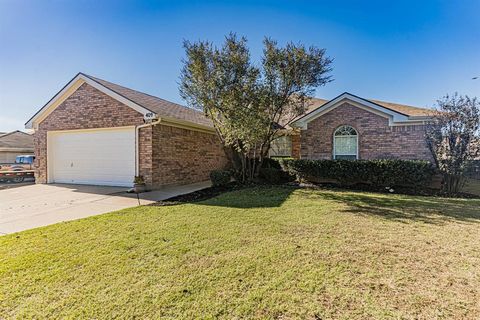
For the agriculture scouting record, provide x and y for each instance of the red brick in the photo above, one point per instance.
(167, 155)
(377, 139)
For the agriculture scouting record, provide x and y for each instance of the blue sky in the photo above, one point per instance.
(410, 52)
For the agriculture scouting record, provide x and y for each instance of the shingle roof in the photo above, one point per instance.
(405, 109)
(160, 106)
(314, 104)
(16, 139)
(173, 110)
(401, 108)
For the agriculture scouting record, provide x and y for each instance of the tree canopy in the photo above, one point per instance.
(249, 102)
(453, 137)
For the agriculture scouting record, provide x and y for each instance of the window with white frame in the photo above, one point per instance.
(281, 147)
(345, 143)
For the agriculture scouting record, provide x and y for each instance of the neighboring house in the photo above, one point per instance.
(97, 132)
(13, 144)
(350, 127)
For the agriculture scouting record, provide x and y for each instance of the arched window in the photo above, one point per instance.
(345, 143)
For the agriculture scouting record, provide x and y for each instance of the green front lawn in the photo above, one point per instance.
(278, 253)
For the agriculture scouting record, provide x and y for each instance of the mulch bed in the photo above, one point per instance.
(199, 195)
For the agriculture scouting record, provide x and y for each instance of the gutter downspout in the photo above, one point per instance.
(137, 142)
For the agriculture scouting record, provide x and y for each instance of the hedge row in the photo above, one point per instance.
(379, 173)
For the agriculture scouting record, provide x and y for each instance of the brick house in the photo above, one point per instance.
(96, 132)
(14, 144)
(350, 127)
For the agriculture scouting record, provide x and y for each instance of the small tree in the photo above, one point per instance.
(453, 138)
(245, 101)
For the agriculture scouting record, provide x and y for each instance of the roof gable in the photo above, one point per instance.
(393, 112)
(69, 89)
(16, 140)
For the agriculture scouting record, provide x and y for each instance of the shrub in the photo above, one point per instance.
(377, 173)
(472, 169)
(271, 171)
(274, 162)
(138, 180)
(220, 177)
(273, 175)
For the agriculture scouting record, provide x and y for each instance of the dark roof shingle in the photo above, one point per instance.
(405, 109)
(173, 110)
(160, 106)
(16, 139)
(401, 108)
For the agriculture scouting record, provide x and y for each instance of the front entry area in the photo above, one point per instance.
(104, 157)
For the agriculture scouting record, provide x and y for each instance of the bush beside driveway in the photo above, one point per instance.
(254, 253)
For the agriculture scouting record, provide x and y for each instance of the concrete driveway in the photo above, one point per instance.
(12, 185)
(32, 206)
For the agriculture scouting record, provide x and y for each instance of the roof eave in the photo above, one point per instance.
(426, 118)
(392, 115)
(186, 124)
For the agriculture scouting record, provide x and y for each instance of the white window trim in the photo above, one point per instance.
(334, 145)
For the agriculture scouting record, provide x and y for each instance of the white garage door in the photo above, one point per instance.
(99, 157)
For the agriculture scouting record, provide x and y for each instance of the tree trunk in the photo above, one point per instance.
(453, 183)
(246, 165)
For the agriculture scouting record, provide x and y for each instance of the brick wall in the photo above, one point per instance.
(184, 156)
(167, 155)
(145, 155)
(86, 108)
(377, 140)
(295, 146)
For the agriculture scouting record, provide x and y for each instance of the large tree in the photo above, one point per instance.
(247, 101)
(453, 138)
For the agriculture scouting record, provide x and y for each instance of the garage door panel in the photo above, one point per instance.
(102, 157)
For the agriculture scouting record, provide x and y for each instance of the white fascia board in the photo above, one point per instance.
(76, 82)
(364, 104)
(63, 91)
